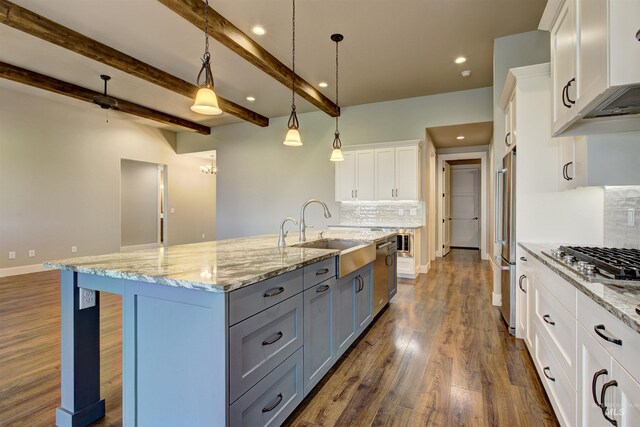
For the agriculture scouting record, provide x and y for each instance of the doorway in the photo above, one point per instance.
(464, 211)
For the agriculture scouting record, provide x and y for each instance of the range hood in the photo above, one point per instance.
(623, 102)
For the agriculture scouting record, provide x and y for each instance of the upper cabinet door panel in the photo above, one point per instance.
(385, 173)
(592, 50)
(365, 172)
(563, 53)
(345, 177)
(407, 173)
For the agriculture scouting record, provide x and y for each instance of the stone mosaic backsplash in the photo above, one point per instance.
(398, 214)
(621, 216)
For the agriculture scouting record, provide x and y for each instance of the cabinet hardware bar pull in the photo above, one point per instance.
(522, 277)
(547, 319)
(564, 171)
(275, 338)
(275, 403)
(565, 89)
(389, 261)
(569, 178)
(322, 271)
(611, 339)
(593, 385)
(523, 259)
(546, 368)
(273, 292)
(603, 407)
(322, 288)
(506, 138)
(569, 100)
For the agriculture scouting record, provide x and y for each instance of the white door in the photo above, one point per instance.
(446, 207)
(385, 173)
(365, 170)
(407, 173)
(465, 197)
(346, 177)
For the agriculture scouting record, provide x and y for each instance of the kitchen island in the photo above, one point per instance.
(232, 332)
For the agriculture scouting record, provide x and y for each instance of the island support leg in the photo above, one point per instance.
(80, 358)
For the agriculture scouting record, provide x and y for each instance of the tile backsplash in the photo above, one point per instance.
(621, 216)
(382, 213)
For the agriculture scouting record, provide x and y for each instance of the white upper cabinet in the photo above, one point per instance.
(510, 133)
(379, 172)
(595, 56)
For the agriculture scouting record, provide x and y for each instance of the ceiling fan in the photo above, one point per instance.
(105, 101)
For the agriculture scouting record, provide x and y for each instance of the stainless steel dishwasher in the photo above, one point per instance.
(384, 276)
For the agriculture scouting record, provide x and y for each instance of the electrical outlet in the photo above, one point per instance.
(203, 235)
(12, 255)
(631, 217)
(32, 253)
(172, 210)
(87, 298)
(74, 249)
(413, 212)
(400, 212)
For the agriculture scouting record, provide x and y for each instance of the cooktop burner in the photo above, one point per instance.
(615, 263)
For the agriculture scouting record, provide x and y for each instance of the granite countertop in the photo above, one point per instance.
(381, 225)
(617, 300)
(217, 266)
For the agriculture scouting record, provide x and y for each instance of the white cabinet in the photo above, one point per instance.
(595, 56)
(626, 408)
(388, 171)
(354, 176)
(510, 132)
(525, 300)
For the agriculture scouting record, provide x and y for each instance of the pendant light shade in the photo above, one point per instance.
(206, 100)
(293, 134)
(336, 154)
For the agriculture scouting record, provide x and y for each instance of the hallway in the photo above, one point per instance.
(438, 356)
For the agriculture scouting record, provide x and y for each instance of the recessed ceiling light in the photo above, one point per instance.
(460, 137)
(258, 30)
(460, 60)
(466, 73)
(323, 84)
(250, 98)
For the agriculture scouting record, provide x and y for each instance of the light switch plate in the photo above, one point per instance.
(74, 249)
(12, 255)
(32, 253)
(631, 217)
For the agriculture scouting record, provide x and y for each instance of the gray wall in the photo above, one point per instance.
(262, 181)
(140, 207)
(60, 177)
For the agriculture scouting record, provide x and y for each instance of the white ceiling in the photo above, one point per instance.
(392, 49)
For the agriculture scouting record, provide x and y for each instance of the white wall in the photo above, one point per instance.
(261, 181)
(60, 177)
(139, 202)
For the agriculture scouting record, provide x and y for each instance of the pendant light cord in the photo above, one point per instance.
(206, 28)
(293, 55)
(337, 99)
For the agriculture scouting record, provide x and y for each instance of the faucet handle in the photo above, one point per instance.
(286, 233)
(321, 234)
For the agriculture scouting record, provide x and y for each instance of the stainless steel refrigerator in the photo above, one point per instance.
(505, 232)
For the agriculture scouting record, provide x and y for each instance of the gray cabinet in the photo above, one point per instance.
(392, 261)
(364, 298)
(345, 313)
(318, 332)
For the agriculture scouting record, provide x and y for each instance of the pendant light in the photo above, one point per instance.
(293, 135)
(336, 154)
(206, 100)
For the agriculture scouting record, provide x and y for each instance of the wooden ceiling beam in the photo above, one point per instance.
(30, 22)
(233, 38)
(31, 78)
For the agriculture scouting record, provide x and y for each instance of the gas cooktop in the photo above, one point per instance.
(600, 264)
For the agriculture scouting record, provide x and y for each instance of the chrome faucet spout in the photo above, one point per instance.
(283, 234)
(303, 226)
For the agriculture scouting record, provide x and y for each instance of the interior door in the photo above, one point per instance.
(465, 226)
(446, 207)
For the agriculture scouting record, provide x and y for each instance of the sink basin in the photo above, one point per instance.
(354, 254)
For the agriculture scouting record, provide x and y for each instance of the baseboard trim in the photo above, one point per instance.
(424, 269)
(23, 269)
(496, 299)
(139, 247)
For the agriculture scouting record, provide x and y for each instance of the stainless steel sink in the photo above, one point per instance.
(354, 254)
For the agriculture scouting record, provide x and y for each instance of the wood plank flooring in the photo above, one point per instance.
(438, 356)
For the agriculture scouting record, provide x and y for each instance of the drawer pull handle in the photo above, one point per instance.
(547, 319)
(322, 288)
(603, 407)
(273, 292)
(360, 283)
(522, 277)
(275, 338)
(593, 385)
(614, 340)
(547, 375)
(523, 258)
(275, 403)
(321, 272)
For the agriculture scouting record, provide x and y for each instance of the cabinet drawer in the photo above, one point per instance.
(319, 272)
(260, 343)
(559, 389)
(247, 301)
(627, 354)
(559, 288)
(273, 399)
(560, 328)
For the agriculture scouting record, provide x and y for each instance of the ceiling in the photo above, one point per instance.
(389, 51)
(474, 134)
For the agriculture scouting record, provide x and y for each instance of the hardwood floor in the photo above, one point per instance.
(438, 356)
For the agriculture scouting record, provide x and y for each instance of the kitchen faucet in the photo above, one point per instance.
(303, 226)
(283, 234)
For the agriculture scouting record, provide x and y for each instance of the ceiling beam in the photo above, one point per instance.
(31, 78)
(31, 23)
(233, 38)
